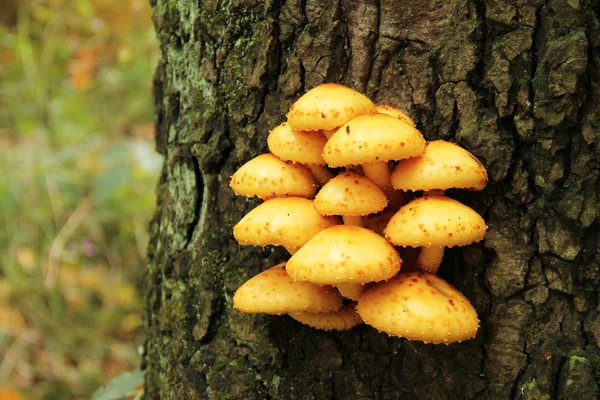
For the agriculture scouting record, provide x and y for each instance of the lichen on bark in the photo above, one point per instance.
(515, 82)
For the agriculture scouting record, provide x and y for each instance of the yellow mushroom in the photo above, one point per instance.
(372, 141)
(304, 147)
(267, 176)
(443, 165)
(274, 292)
(419, 306)
(344, 254)
(328, 106)
(288, 222)
(432, 223)
(350, 195)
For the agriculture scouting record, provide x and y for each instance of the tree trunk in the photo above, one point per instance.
(515, 82)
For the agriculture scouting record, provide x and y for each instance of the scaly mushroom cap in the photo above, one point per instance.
(342, 254)
(328, 106)
(373, 138)
(435, 221)
(274, 292)
(301, 147)
(419, 306)
(350, 194)
(394, 112)
(443, 165)
(267, 176)
(288, 222)
(341, 320)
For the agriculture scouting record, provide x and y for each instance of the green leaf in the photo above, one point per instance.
(120, 386)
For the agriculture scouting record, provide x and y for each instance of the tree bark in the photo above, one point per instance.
(515, 82)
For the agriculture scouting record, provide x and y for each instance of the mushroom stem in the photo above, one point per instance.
(378, 172)
(353, 220)
(430, 258)
(321, 173)
(350, 291)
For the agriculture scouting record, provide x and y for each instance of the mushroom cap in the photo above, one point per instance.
(267, 176)
(373, 138)
(394, 112)
(342, 254)
(419, 306)
(289, 222)
(273, 291)
(443, 165)
(435, 221)
(302, 147)
(328, 106)
(350, 194)
(341, 320)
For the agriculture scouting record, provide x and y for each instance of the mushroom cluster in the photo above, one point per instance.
(349, 188)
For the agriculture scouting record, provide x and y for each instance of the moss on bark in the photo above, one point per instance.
(515, 82)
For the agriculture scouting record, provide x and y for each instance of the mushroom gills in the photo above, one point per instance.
(343, 319)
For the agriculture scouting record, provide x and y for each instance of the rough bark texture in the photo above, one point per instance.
(516, 82)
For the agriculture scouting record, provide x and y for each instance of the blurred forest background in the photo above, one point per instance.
(78, 172)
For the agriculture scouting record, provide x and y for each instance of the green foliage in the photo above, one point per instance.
(78, 174)
(120, 386)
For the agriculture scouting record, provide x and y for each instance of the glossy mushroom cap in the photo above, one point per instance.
(435, 221)
(274, 292)
(267, 176)
(371, 139)
(328, 106)
(394, 112)
(350, 194)
(419, 306)
(443, 165)
(342, 254)
(288, 222)
(341, 320)
(302, 147)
